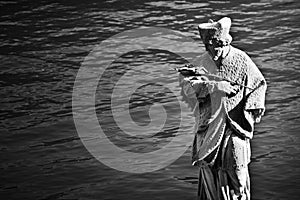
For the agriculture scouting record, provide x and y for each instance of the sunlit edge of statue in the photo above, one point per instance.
(226, 91)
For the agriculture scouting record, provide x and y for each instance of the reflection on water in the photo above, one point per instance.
(42, 45)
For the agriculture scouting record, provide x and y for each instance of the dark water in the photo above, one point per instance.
(42, 45)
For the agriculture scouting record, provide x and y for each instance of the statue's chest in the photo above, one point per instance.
(234, 69)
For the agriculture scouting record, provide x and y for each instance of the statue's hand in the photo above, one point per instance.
(227, 87)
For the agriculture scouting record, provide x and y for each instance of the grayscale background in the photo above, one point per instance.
(42, 46)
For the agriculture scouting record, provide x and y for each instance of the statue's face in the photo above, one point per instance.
(215, 48)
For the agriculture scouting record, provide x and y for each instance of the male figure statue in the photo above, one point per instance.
(227, 100)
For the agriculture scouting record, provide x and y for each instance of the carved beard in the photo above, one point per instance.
(215, 53)
(218, 53)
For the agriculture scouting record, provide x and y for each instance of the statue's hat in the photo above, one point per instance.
(215, 30)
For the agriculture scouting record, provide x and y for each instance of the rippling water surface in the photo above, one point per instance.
(42, 46)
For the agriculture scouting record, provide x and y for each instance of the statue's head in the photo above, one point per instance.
(215, 35)
(216, 31)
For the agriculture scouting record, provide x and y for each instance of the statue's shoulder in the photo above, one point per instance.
(246, 62)
(239, 53)
(205, 61)
(241, 58)
(204, 57)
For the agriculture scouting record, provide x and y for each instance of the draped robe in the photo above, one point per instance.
(225, 124)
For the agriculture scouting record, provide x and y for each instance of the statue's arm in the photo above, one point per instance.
(255, 100)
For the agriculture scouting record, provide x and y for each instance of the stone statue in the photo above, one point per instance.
(227, 94)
